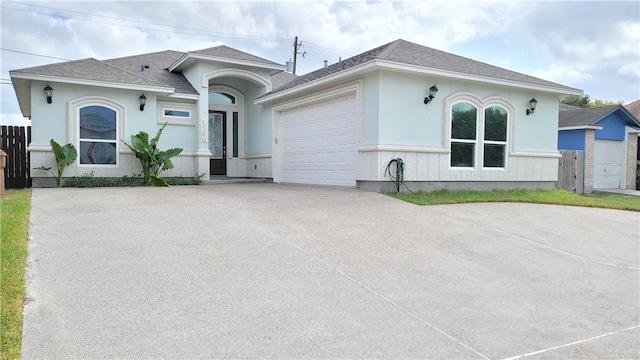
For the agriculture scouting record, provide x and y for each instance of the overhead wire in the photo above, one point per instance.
(29, 53)
(157, 27)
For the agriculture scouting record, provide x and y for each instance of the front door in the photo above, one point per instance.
(218, 142)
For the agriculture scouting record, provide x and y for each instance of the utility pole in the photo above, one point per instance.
(296, 47)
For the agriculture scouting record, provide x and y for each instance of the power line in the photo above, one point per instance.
(28, 53)
(188, 31)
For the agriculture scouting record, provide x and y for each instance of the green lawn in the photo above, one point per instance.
(14, 220)
(557, 197)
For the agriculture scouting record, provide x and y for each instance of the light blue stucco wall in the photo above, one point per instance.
(571, 140)
(51, 120)
(614, 127)
(398, 101)
(258, 123)
(371, 111)
(404, 118)
(257, 117)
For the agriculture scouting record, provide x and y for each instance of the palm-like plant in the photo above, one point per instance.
(152, 159)
(65, 156)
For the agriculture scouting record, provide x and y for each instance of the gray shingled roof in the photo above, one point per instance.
(567, 107)
(233, 54)
(405, 52)
(591, 116)
(281, 79)
(90, 70)
(634, 108)
(158, 63)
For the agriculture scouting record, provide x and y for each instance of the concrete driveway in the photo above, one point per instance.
(279, 271)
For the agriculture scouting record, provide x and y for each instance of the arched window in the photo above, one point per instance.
(97, 135)
(221, 98)
(479, 135)
(463, 134)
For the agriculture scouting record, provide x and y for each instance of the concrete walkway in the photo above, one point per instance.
(621, 191)
(276, 271)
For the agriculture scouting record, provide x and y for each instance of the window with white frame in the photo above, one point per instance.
(175, 113)
(98, 135)
(478, 136)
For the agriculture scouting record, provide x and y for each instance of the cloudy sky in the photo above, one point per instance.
(590, 45)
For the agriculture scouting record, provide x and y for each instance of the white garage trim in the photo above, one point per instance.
(318, 152)
(607, 170)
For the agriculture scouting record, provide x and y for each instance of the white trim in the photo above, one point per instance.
(403, 148)
(631, 130)
(185, 96)
(196, 56)
(581, 127)
(319, 96)
(236, 73)
(229, 109)
(478, 78)
(107, 84)
(39, 147)
(73, 119)
(176, 120)
(481, 105)
(540, 154)
(257, 156)
(327, 79)
(414, 69)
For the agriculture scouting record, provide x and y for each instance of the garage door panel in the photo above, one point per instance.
(607, 164)
(319, 143)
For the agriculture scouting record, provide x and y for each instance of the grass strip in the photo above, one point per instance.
(15, 206)
(555, 197)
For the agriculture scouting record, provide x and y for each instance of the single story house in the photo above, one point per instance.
(455, 122)
(608, 136)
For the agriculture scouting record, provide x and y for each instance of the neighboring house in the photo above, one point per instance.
(634, 109)
(608, 135)
(239, 115)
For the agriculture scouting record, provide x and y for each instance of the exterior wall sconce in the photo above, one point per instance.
(143, 102)
(532, 106)
(432, 93)
(48, 92)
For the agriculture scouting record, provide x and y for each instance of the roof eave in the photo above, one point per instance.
(65, 80)
(361, 68)
(384, 64)
(22, 88)
(561, 90)
(184, 60)
(580, 127)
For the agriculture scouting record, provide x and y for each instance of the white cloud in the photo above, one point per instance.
(581, 44)
(564, 73)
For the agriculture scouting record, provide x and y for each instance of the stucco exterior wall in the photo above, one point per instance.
(419, 135)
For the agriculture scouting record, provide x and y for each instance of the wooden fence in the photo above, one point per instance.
(14, 141)
(571, 171)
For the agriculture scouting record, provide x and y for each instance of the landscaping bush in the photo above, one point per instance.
(89, 181)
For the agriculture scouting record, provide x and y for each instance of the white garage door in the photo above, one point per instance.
(607, 161)
(318, 143)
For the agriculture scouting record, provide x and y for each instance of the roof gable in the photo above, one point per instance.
(224, 53)
(408, 53)
(592, 116)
